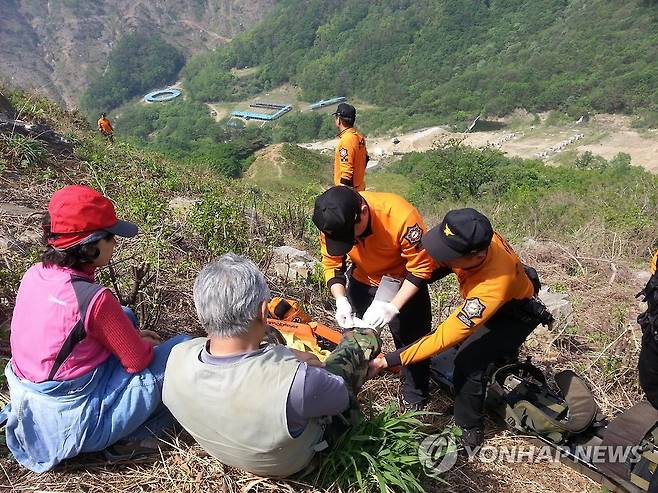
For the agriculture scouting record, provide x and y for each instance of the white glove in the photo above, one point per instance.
(344, 313)
(379, 313)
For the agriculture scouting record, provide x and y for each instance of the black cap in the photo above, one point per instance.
(346, 111)
(335, 214)
(462, 232)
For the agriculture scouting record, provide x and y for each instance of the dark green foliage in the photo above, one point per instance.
(528, 198)
(449, 59)
(210, 82)
(303, 127)
(185, 131)
(139, 63)
(452, 171)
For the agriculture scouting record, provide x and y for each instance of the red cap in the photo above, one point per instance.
(78, 211)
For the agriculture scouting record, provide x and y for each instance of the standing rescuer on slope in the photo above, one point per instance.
(105, 127)
(381, 234)
(648, 364)
(351, 154)
(497, 315)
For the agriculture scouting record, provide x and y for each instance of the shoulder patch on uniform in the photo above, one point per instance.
(343, 154)
(473, 308)
(414, 234)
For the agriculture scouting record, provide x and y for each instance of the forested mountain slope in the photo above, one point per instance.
(448, 57)
(58, 46)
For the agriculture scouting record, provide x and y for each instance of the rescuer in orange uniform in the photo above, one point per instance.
(105, 127)
(498, 312)
(351, 153)
(380, 233)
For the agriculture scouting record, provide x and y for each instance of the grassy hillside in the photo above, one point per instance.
(289, 169)
(587, 226)
(448, 59)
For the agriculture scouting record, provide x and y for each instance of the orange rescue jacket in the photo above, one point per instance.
(390, 245)
(654, 262)
(105, 126)
(351, 159)
(499, 279)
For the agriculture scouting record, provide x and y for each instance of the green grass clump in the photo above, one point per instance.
(381, 454)
(21, 150)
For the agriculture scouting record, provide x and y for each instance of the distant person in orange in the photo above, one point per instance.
(105, 127)
(351, 153)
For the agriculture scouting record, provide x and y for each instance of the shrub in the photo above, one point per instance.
(527, 198)
(224, 227)
(22, 151)
(380, 454)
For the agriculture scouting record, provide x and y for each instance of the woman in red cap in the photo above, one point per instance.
(81, 376)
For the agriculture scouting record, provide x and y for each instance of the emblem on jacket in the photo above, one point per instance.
(473, 308)
(343, 154)
(414, 234)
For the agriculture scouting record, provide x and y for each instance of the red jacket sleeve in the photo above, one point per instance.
(111, 327)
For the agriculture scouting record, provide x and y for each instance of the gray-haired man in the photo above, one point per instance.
(256, 407)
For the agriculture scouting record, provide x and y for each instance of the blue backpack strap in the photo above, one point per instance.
(85, 291)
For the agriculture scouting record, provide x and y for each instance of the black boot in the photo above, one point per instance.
(472, 438)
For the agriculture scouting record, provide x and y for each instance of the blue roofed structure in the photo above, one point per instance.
(327, 102)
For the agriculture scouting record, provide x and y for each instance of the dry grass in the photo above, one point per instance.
(604, 312)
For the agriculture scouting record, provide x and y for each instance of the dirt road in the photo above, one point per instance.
(604, 135)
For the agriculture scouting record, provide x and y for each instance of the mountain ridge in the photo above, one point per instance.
(57, 47)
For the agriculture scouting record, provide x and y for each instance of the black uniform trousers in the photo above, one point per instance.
(648, 368)
(413, 322)
(497, 341)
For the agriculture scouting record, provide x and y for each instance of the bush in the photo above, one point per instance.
(185, 131)
(646, 119)
(452, 171)
(303, 127)
(22, 151)
(222, 223)
(528, 198)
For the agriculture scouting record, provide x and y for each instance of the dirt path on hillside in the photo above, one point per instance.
(267, 158)
(643, 151)
(217, 112)
(604, 135)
